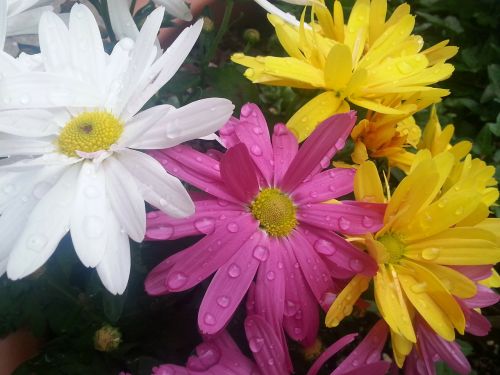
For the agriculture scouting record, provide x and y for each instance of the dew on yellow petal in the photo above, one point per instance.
(367, 184)
(456, 283)
(343, 304)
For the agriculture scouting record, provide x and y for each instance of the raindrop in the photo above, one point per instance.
(344, 224)
(232, 227)
(367, 221)
(340, 143)
(209, 319)
(313, 194)
(459, 211)
(177, 280)
(290, 308)
(246, 110)
(37, 242)
(234, 270)
(25, 99)
(356, 265)
(261, 253)
(257, 130)
(297, 330)
(430, 253)
(271, 275)
(163, 232)
(419, 287)
(223, 301)
(256, 150)
(256, 344)
(205, 225)
(270, 362)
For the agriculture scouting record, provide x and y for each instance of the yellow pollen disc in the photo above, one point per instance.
(89, 132)
(394, 246)
(275, 212)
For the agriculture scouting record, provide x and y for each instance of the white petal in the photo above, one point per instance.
(9, 65)
(121, 20)
(28, 123)
(164, 68)
(46, 90)
(3, 23)
(146, 122)
(54, 44)
(86, 44)
(47, 224)
(14, 145)
(287, 17)
(19, 164)
(194, 120)
(89, 219)
(177, 8)
(125, 199)
(26, 22)
(114, 268)
(158, 187)
(142, 56)
(3, 266)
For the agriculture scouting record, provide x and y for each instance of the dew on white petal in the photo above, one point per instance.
(40, 189)
(36, 242)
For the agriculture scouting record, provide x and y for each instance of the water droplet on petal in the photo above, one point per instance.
(325, 247)
(177, 280)
(163, 232)
(205, 225)
(246, 111)
(459, 211)
(290, 308)
(40, 189)
(270, 275)
(356, 265)
(270, 362)
(209, 319)
(339, 145)
(256, 344)
(232, 227)
(430, 253)
(419, 287)
(257, 130)
(261, 253)
(313, 194)
(344, 224)
(234, 270)
(37, 242)
(223, 301)
(367, 221)
(256, 150)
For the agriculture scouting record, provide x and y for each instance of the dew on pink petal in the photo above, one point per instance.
(256, 150)
(367, 221)
(356, 265)
(209, 319)
(256, 344)
(270, 275)
(223, 301)
(290, 308)
(205, 225)
(257, 130)
(261, 253)
(246, 111)
(344, 223)
(177, 280)
(163, 232)
(234, 270)
(232, 227)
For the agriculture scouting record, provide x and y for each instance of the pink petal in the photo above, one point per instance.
(484, 297)
(265, 346)
(343, 218)
(475, 273)
(238, 173)
(317, 150)
(209, 214)
(449, 352)
(327, 185)
(367, 352)
(253, 132)
(285, 147)
(311, 265)
(193, 176)
(229, 285)
(477, 324)
(330, 352)
(301, 318)
(348, 258)
(376, 368)
(188, 267)
(192, 159)
(227, 133)
(171, 370)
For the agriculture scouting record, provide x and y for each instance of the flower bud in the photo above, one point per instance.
(251, 36)
(107, 338)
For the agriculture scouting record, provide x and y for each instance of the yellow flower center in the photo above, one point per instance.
(394, 247)
(275, 212)
(89, 132)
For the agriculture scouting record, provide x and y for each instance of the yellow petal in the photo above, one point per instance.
(325, 19)
(456, 283)
(293, 69)
(375, 106)
(398, 71)
(367, 184)
(359, 155)
(305, 120)
(493, 281)
(378, 10)
(459, 246)
(343, 304)
(401, 347)
(338, 20)
(430, 285)
(357, 25)
(392, 303)
(399, 13)
(338, 68)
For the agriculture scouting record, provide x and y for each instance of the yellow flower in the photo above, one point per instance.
(434, 219)
(367, 62)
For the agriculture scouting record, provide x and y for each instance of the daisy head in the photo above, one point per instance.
(71, 126)
(264, 213)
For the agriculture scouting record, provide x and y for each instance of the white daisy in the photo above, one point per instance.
(20, 17)
(123, 24)
(70, 129)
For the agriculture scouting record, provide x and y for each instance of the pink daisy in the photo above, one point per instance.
(263, 217)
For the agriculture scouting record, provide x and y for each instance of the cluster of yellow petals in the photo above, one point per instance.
(437, 217)
(371, 62)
